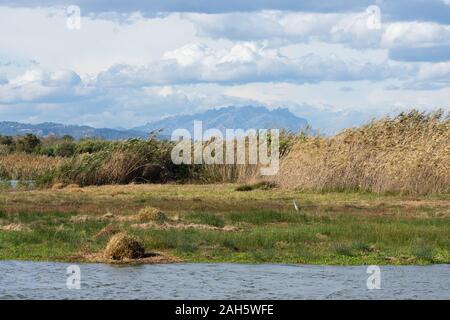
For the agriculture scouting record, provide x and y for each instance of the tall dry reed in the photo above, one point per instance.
(22, 166)
(409, 153)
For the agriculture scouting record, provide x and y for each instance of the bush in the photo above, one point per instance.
(121, 162)
(28, 143)
(65, 149)
(7, 141)
(91, 145)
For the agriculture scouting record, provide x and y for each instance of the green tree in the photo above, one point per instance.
(28, 143)
(68, 138)
(65, 149)
(6, 140)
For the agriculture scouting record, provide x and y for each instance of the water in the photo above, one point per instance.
(17, 183)
(47, 280)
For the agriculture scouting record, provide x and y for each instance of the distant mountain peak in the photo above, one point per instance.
(231, 117)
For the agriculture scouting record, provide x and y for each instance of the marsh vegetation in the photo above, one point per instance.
(216, 223)
(378, 194)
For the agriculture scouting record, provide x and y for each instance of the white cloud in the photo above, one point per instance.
(263, 24)
(351, 29)
(41, 34)
(400, 100)
(415, 34)
(124, 70)
(245, 62)
(38, 86)
(431, 76)
(290, 26)
(435, 71)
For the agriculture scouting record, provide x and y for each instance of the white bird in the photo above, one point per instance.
(296, 206)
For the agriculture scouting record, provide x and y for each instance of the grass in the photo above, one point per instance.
(263, 185)
(260, 217)
(205, 218)
(333, 228)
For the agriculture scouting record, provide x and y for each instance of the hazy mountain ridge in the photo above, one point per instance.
(245, 118)
(77, 131)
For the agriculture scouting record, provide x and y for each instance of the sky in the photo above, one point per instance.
(125, 63)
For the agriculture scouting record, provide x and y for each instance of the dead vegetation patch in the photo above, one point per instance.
(57, 186)
(145, 214)
(147, 258)
(123, 246)
(151, 214)
(15, 227)
(182, 226)
(107, 231)
(106, 217)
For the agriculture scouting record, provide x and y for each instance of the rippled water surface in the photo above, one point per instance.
(42, 280)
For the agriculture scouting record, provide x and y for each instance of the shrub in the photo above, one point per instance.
(91, 145)
(65, 149)
(28, 143)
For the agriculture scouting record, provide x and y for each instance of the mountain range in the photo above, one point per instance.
(248, 117)
(49, 128)
(229, 117)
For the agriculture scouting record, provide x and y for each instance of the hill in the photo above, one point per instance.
(245, 118)
(49, 128)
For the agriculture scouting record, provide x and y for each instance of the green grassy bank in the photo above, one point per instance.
(217, 223)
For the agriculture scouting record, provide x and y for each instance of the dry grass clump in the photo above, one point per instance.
(107, 231)
(123, 246)
(15, 227)
(72, 186)
(151, 214)
(23, 166)
(183, 226)
(57, 186)
(409, 153)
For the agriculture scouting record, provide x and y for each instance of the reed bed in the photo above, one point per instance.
(409, 154)
(22, 166)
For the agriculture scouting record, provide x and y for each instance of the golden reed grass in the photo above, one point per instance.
(232, 172)
(409, 153)
(22, 166)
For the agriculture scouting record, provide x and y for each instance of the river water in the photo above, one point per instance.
(48, 280)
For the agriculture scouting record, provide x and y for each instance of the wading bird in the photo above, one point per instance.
(296, 206)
